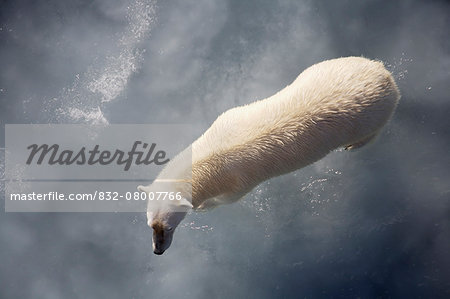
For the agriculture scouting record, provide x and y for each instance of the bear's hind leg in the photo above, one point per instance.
(361, 142)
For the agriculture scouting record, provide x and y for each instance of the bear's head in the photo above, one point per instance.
(163, 217)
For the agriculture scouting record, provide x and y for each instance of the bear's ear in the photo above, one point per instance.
(184, 203)
(143, 188)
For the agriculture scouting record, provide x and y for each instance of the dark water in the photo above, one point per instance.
(368, 224)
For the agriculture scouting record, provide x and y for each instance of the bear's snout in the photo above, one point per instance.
(158, 252)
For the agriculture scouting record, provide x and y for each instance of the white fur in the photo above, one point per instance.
(335, 103)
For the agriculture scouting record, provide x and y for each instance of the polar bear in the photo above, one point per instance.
(342, 102)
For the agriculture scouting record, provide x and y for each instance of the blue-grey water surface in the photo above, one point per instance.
(374, 223)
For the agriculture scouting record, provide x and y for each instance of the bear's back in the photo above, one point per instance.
(350, 96)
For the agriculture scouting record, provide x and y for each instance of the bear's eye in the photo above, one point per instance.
(169, 229)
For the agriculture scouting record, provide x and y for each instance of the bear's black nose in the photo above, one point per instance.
(158, 252)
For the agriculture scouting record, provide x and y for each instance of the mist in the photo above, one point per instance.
(374, 223)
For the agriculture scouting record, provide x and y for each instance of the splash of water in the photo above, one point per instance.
(83, 101)
(399, 67)
(192, 225)
(258, 201)
(2, 171)
(2, 164)
(15, 173)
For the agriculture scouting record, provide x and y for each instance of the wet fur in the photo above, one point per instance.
(342, 102)
(336, 103)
